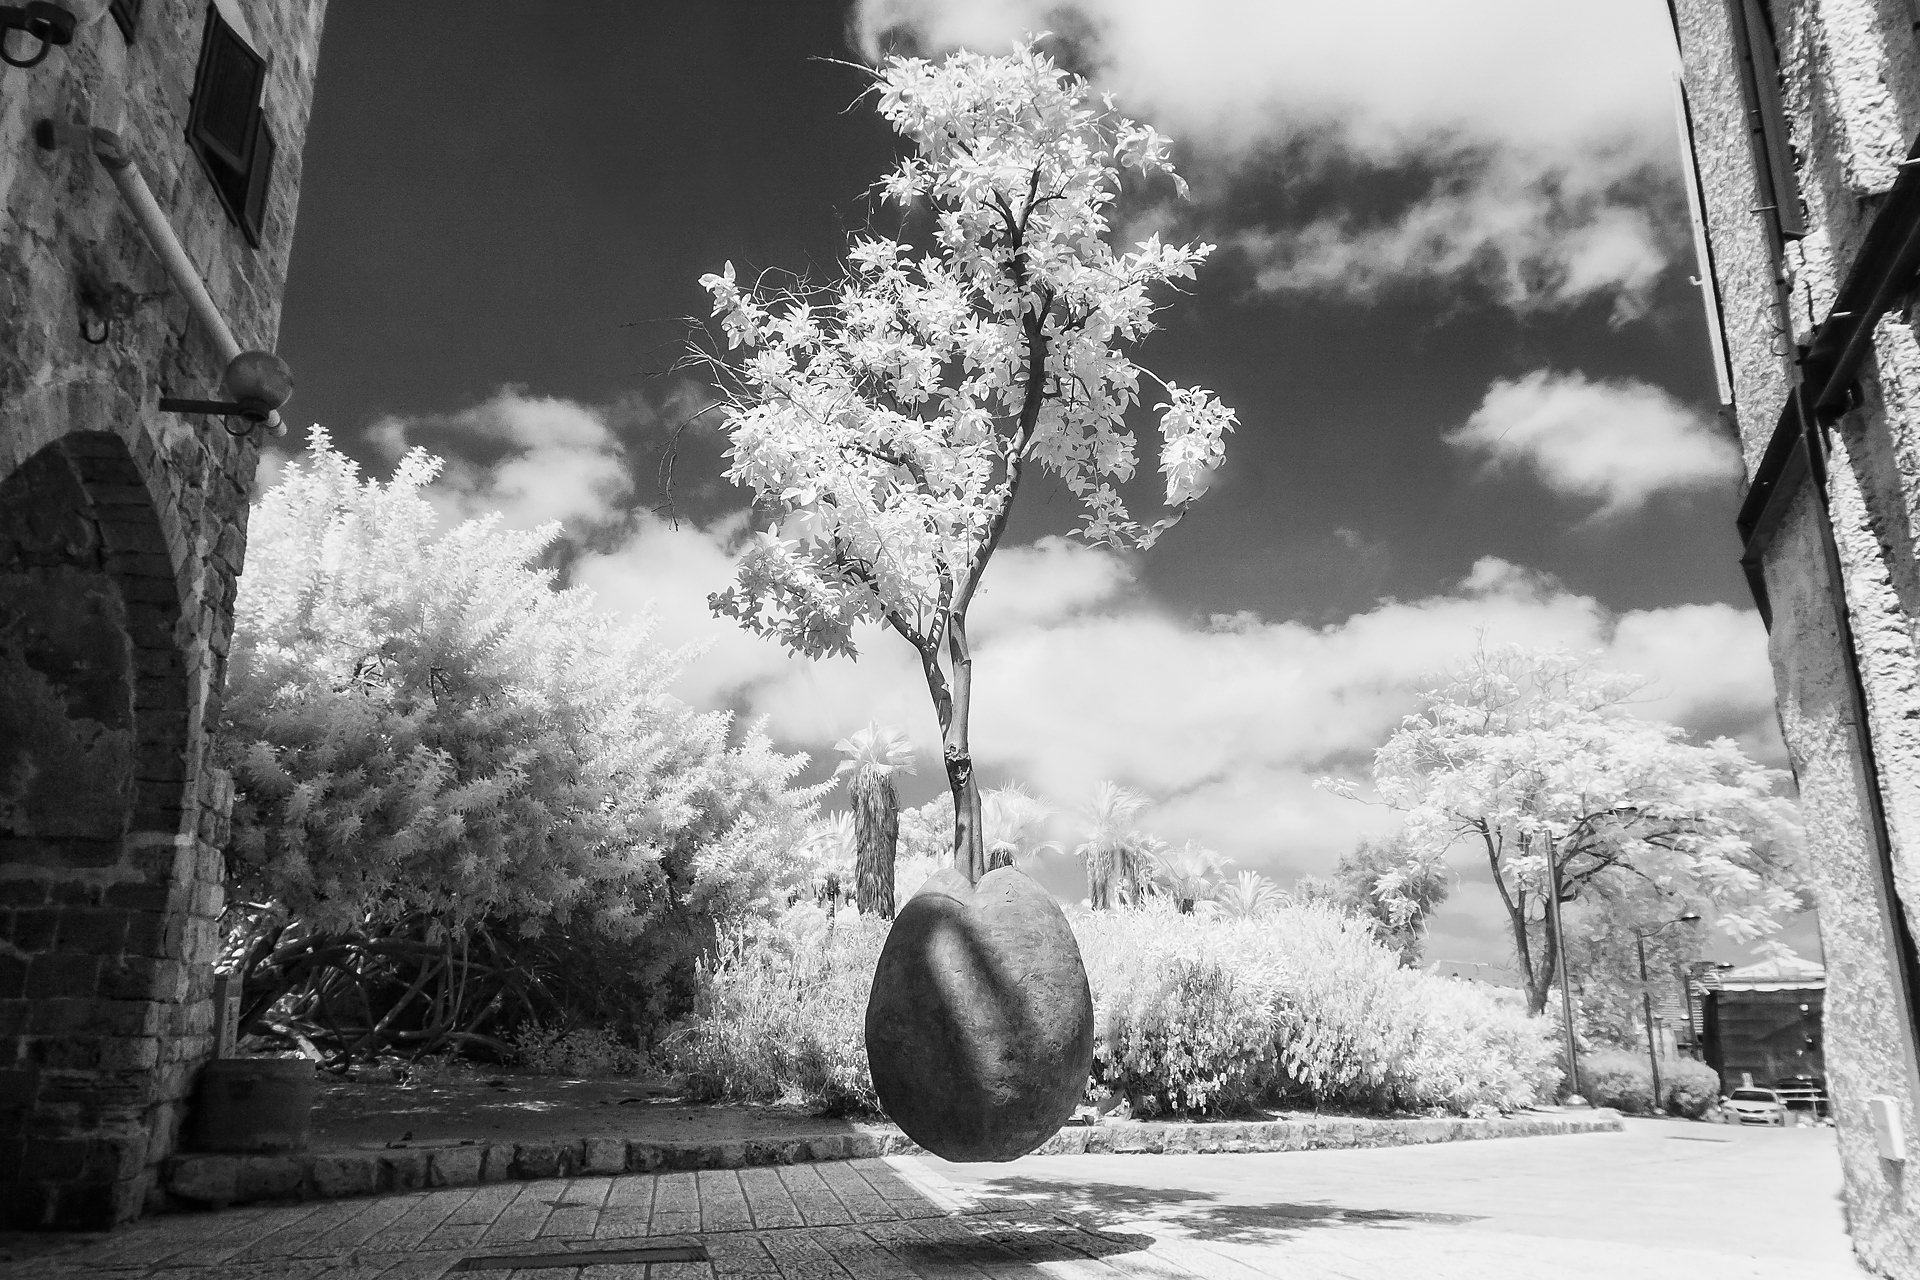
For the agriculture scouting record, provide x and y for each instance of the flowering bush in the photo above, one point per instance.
(779, 1013)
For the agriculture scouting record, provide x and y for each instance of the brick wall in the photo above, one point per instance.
(122, 531)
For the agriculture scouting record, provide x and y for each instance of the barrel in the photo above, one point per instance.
(253, 1104)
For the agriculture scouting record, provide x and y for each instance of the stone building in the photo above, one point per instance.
(1802, 117)
(122, 529)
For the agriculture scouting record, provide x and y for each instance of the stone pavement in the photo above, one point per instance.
(1658, 1201)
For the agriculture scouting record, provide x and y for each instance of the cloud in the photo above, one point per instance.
(1492, 221)
(535, 459)
(1080, 674)
(1620, 442)
(1542, 128)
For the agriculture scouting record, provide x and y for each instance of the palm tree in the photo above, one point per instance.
(1187, 873)
(1248, 896)
(1117, 852)
(873, 755)
(1010, 818)
(829, 843)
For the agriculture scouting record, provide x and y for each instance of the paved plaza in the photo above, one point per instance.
(1663, 1200)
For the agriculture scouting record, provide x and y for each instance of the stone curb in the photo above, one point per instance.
(222, 1180)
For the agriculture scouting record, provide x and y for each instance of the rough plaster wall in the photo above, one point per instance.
(1856, 54)
(1868, 1046)
(66, 243)
(1850, 87)
(1757, 335)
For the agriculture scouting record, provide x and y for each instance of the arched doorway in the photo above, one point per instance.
(98, 864)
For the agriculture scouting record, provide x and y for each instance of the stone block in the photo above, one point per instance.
(269, 1178)
(538, 1159)
(605, 1155)
(404, 1170)
(336, 1177)
(209, 1180)
(498, 1165)
(461, 1166)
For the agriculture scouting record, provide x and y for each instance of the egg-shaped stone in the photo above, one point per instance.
(980, 1022)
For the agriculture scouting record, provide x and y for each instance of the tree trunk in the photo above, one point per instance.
(969, 849)
(876, 828)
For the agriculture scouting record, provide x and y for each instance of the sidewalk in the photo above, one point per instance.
(374, 1141)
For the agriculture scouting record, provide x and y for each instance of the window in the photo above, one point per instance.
(126, 16)
(227, 127)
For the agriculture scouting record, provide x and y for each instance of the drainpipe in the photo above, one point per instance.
(112, 153)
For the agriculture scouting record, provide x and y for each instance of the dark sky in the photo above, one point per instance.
(490, 201)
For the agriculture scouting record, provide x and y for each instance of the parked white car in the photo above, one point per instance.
(1755, 1106)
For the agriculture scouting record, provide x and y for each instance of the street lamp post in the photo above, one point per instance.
(1646, 1000)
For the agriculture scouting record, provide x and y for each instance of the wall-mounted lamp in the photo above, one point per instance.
(49, 25)
(256, 383)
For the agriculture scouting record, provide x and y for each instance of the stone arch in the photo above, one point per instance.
(98, 769)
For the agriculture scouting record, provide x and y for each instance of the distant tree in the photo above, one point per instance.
(872, 756)
(1603, 966)
(832, 843)
(1248, 896)
(1379, 882)
(1188, 874)
(1118, 854)
(1011, 822)
(1532, 756)
(887, 423)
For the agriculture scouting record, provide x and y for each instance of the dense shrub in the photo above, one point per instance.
(780, 1010)
(1691, 1086)
(1623, 1079)
(1617, 1078)
(1326, 1018)
(466, 800)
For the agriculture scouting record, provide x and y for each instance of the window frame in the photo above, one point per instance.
(241, 174)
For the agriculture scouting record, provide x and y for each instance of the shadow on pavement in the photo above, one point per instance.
(989, 1248)
(1095, 1204)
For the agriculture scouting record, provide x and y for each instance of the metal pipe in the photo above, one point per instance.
(114, 158)
(112, 153)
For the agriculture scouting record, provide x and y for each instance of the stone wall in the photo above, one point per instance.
(1847, 599)
(122, 531)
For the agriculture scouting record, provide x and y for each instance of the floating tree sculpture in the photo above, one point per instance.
(885, 425)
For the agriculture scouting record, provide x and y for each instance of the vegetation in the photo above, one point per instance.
(869, 759)
(1301, 1007)
(887, 423)
(464, 798)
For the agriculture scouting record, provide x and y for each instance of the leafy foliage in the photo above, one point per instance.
(886, 423)
(1335, 1020)
(1188, 875)
(869, 759)
(428, 739)
(780, 1013)
(1375, 881)
(1248, 896)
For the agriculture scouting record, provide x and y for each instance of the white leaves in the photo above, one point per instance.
(885, 422)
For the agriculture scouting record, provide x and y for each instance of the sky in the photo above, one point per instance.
(1451, 306)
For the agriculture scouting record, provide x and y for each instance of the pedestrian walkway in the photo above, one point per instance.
(1660, 1201)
